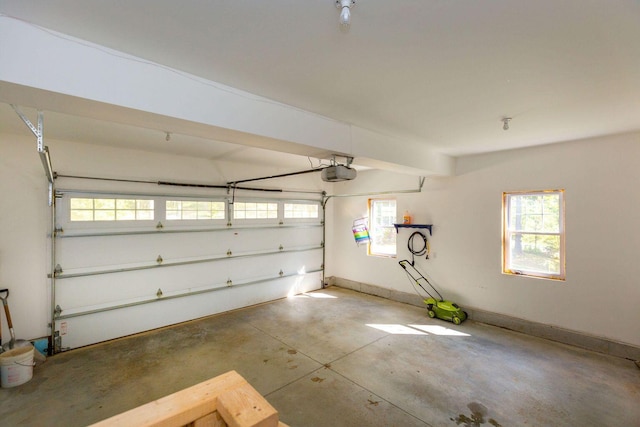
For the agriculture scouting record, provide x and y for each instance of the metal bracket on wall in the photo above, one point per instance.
(42, 149)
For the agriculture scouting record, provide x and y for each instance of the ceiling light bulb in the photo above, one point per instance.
(345, 16)
(345, 11)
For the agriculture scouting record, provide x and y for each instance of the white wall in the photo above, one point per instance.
(25, 218)
(601, 177)
(24, 225)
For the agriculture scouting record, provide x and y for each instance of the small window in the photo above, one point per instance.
(194, 210)
(382, 216)
(255, 210)
(108, 209)
(533, 234)
(300, 210)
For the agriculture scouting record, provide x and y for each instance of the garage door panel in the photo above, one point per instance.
(104, 288)
(108, 251)
(272, 265)
(95, 289)
(140, 248)
(105, 325)
(271, 239)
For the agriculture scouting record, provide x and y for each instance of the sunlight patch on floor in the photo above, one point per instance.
(396, 329)
(318, 295)
(440, 330)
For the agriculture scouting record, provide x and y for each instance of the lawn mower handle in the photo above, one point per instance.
(403, 262)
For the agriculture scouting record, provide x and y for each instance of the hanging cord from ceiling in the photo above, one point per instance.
(424, 250)
(320, 164)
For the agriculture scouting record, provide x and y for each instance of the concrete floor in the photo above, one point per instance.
(340, 358)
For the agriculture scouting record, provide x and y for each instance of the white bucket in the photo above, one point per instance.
(16, 366)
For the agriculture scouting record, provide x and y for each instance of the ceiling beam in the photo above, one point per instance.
(51, 71)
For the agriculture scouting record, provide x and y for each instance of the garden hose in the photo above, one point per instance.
(424, 250)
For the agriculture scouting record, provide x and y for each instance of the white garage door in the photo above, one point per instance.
(128, 263)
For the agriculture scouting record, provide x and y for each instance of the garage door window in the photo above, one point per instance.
(194, 210)
(255, 210)
(111, 209)
(300, 210)
(533, 234)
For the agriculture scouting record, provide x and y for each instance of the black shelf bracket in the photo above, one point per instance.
(427, 226)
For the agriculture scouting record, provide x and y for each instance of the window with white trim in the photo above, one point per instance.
(533, 234)
(382, 216)
(194, 210)
(111, 209)
(255, 210)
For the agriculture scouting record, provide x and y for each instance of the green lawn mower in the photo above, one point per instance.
(438, 307)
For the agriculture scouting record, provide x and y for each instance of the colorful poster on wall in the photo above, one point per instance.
(360, 231)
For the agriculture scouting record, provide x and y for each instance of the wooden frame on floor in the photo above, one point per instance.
(227, 400)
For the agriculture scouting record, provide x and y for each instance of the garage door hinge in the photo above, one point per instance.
(159, 259)
(281, 273)
(159, 226)
(322, 244)
(57, 231)
(159, 293)
(57, 271)
(229, 253)
(229, 282)
(281, 248)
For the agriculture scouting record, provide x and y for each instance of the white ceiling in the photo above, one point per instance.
(438, 72)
